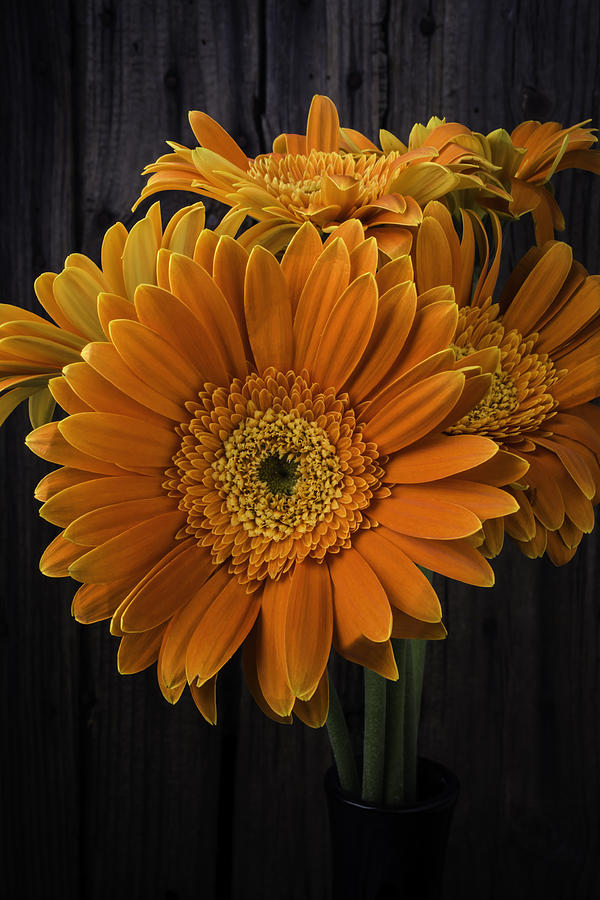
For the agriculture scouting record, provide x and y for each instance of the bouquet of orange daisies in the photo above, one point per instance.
(269, 434)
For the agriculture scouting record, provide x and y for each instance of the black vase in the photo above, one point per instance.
(391, 853)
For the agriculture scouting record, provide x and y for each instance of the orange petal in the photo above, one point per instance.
(222, 628)
(249, 664)
(77, 499)
(308, 627)
(59, 480)
(413, 629)
(271, 667)
(58, 556)
(104, 358)
(433, 330)
(328, 279)
(539, 289)
(95, 602)
(405, 585)
(314, 712)
(100, 525)
(171, 660)
(130, 553)
(395, 314)
(322, 126)
(455, 559)
(170, 584)
(192, 284)
(155, 361)
(580, 385)
(416, 412)
(112, 306)
(433, 256)
(213, 136)
(47, 442)
(138, 651)
(406, 512)
(438, 456)
(504, 468)
(229, 272)
(169, 317)
(205, 698)
(66, 397)
(299, 258)
(361, 607)
(346, 333)
(485, 501)
(119, 439)
(268, 312)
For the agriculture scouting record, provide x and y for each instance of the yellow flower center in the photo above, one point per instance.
(279, 473)
(304, 184)
(271, 470)
(519, 399)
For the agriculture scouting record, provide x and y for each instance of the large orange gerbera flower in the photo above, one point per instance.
(256, 457)
(83, 298)
(541, 343)
(527, 160)
(325, 177)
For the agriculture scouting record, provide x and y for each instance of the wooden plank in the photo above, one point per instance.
(39, 661)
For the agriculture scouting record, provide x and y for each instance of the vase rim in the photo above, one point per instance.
(446, 796)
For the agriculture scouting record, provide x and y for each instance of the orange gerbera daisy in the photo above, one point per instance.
(529, 157)
(83, 297)
(325, 177)
(541, 343)
(256, 456)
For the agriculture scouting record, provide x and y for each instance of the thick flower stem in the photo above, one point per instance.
(374, 737)
(394, 738)
(341, 745)
(404, 705)
(415, 661)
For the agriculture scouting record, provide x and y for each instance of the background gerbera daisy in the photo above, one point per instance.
(83, 298)
(325, 177)
(257, 452)
(546, 327)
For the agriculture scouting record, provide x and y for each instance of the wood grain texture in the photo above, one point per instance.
(119, 794)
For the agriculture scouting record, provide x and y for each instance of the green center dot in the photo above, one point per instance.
(279, 474)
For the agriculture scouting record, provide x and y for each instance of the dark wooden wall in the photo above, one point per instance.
(108, 790)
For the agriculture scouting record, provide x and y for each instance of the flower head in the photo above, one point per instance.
(527, 159)
(256, 457)
(325, 177)
(541, 344)
(81, 300)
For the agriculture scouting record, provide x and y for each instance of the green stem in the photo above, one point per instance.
(394, 737)
(341, 745)
(404, 707)
(374, 737)
(415, 663)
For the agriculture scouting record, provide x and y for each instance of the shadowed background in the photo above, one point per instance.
(109, 790)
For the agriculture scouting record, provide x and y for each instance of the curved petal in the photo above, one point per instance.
(121, 440)
(405, 585)
(271, 668)
(438, 456)
(268, 312)
(456, 559)
(346, 333)
(308, 627)
(170, 584)
(322, 126)
(361, 607)
(128, 554)
(222, 628)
